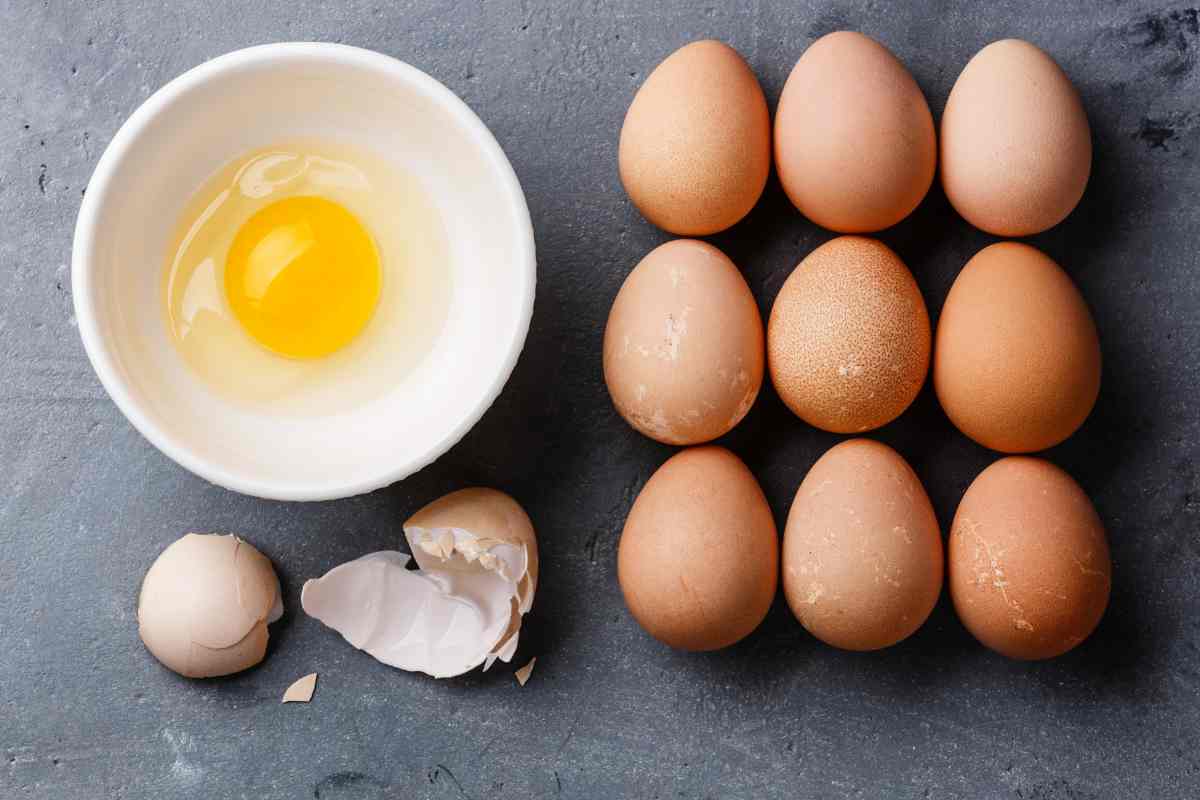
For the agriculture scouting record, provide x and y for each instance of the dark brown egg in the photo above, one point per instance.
(848, 337)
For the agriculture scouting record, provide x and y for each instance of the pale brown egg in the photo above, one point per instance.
(683, 348)
(848, 337)
(862, 552)
(1016, 149)
(854, 140)
(1029, 565)
(698, 560)
(1016, 364)
(695, 148)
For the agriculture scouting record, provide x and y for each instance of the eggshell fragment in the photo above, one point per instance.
(695, 147)
(302, 690)
(862, 552)
(854, 140)
(477, 572)
(205, 605)
(1016, 149)
(1017, 361)
(848, 337)
(1029, 565)
(522, 674)
(698, 559)
(683, 348)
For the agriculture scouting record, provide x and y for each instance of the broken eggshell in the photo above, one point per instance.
(301, 690)
(476, 573)
(205, 605)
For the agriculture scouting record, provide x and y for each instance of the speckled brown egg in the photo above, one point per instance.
(683, 348)
(1029, 564)
(1016, 149)
(698, 560)
(695, 148)
(1016, 365)
(854, 140)
(862, 552)
(848, 337)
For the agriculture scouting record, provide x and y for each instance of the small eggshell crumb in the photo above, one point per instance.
(522, 674)
(302, 690)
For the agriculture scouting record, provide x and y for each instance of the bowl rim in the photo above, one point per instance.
(121, 148)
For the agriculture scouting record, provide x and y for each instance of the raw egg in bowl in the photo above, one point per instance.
(303, 271)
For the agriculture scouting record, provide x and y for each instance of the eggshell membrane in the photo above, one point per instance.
(695, 147)
(698, 559)
(854, 140)
(1017, 360)
(205, 605)
(1016, 149)
(862, 551)
(1029, 563)
(848, 337)
(683, 348)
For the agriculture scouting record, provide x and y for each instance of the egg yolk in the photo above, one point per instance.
(303, 277)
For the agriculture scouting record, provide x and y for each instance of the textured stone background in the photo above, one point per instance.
(86, 504)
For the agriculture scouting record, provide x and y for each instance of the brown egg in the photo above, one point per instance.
(698, 560)
(695, 147)
(1029, 565)
(1016, 150)
(683, 349)
(1017, 361)
(862, 552)
(848, 337)
(854, 140)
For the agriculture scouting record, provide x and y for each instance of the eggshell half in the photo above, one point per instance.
(1016, 365)
(854, 140)
(848, 337)
(683, 348)
(695, 147)
(698, 560)
(1016, 149)
(1029, 564)
(862, 551)
(205, 605)
(490, 515)
(477, 562)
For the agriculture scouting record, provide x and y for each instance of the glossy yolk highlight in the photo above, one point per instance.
(303, 277)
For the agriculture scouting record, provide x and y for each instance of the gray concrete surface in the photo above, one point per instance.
(86, 504)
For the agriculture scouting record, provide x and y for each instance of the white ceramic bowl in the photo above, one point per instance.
(253, 98)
